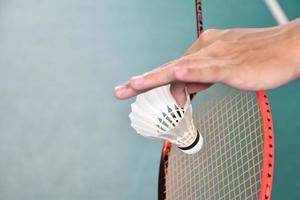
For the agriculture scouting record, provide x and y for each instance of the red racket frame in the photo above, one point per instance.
(268, 148)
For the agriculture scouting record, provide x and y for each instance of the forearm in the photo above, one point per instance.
(291, 32)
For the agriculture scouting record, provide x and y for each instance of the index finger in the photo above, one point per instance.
(155, 78)
(139, 84)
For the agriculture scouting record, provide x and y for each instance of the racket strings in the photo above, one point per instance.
(229, 166)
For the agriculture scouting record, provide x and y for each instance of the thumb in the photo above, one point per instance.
(178, 90)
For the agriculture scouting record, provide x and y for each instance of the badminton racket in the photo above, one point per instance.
(237, 157)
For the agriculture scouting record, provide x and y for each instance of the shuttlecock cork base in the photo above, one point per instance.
(195, 146)
(155, 114)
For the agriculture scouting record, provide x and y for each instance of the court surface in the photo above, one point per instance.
(63, 135)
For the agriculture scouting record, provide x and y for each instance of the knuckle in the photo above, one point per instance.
(228, 32)
(184, 62)
(219, 44)
(231, 32)
(211, 32)
(217, 48)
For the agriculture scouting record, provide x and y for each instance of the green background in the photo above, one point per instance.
(62, 133)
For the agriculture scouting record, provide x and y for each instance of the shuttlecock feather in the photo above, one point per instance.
(155, 114)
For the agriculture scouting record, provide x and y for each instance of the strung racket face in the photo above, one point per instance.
(237, 158)
(236, 161)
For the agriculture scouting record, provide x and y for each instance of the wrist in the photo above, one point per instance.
(295, 58)
(296, 54)
(298, 71)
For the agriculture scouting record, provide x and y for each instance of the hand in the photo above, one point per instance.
(247, 59)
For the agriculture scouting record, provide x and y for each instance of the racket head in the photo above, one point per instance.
(237, 159)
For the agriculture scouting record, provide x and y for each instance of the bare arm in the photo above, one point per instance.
(247, 59)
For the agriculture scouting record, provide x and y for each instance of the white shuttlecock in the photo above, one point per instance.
(155, 114)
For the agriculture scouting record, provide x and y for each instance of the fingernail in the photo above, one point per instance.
(137, 80)
(120, 91)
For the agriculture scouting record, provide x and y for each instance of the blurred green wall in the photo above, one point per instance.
(63, 135)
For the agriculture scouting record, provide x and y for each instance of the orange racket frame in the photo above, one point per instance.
(268, 145)
(268, 153)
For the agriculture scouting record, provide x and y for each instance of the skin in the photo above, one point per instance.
(246, 59)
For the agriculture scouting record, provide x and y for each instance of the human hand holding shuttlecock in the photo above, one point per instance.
(155, 114)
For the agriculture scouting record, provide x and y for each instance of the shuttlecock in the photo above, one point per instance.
(155, 114)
